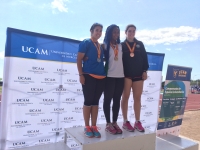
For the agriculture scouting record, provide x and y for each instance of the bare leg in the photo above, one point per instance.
(94, 114)
(125, 97)
(137, 87)
(86, 114)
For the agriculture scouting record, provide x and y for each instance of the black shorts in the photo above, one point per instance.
(92, 90)
(139, 78)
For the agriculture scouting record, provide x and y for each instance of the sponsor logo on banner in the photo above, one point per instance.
(100, 109)
(148, 114)
(20, 144)
(151, 85)
(75, 126)
(48, 101)
(22, 102)
(78, 110)
(145, 92)
(49, 81)
(23, 80)
(36, 91)
(44, 141)
(71, 82)
(20, 124)
(59, 110)
(34, 50)
(132, 116)
(142, 121)
(46, 122)
(150, 99)
(56, 130)
(143, 107)
(62, 72)
(74, 145)
(68, 120)
(35, 112)
(79, 91)
(38, 70)
(61, 91)
(179, 73)
(70, 101)
(130, 108)
(101, 117)
(32, 133)
(120, 116)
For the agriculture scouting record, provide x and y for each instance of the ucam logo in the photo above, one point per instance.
(61, 89)
(36, 89)
(68, 118)
(70, 99)
(74, 145)
(33, 131)
(59, 109)
(49, 79)
(62, 70)
(35, 110)
(44, 140)
(56, 129)
(48, 100)
(22, 100)
(71, 80)
(37, 68)
(33, 50)
(46, 120)
(24, 78)
(78, 108)
(19, 143)
(21, 122)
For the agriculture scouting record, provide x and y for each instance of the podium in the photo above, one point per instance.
(125, 141)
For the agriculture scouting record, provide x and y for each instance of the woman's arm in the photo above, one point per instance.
(79, 66)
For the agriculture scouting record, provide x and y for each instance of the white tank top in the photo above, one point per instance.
(115, 68)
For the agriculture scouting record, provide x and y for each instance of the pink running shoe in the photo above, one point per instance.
(127, 126)
(117, 128)
(139, 126)
(110, 129)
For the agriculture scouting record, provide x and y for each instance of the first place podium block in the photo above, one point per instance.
(125, 141)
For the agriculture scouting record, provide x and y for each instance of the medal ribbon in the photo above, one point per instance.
(97, 47)
(115, 48)
(131, 49)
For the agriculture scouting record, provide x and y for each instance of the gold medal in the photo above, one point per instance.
(132, 54)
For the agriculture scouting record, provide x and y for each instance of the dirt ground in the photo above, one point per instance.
(191, 125)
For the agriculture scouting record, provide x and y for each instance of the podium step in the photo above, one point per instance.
(125, 141)
(176, 142)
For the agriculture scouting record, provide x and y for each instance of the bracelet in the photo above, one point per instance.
(144, 71)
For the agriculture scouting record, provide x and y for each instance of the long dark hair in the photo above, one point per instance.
(107, 39)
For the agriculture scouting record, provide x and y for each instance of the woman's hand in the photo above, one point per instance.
(82, 79)
(144, 75)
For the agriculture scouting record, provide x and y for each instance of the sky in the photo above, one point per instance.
(171, 27)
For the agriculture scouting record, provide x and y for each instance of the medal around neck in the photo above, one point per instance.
(98, 59)
(132, 54)
(116, 58)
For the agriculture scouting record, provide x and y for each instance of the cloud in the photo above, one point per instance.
(168, 35)
(2, 55)
(178, 49)
(59, 5)
(168, 49)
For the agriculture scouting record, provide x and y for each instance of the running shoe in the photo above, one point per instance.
(110, 129)
(95, 131)
(138, 126)
(88, 132)
(117, 128)
(127, 126)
